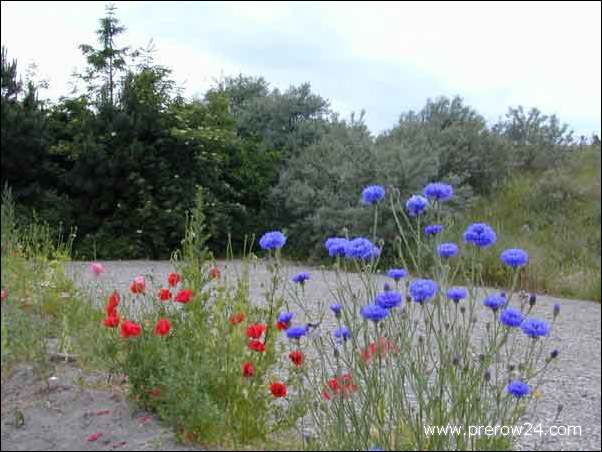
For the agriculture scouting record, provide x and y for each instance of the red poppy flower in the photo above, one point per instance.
(256, 330)
(256, 345)
(282, 326)
(165, 294)
(130, 329)
(215, 273)
(248, 370)
(184, 296)
(297, 357)
(383, 348)
(237, 318)
(112, 304)
(111, 321)
(4, 294)
(342, 385)
(138, 285)
(94, 436)
(163, 327)
(278, 389)
(174, 279)
(155, 392)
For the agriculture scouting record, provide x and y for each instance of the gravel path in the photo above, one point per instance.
(573, 383)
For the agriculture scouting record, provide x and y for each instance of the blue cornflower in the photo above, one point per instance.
(480, 234)
(336, 308)
(272, 240)
(416, 205)
(397, 273)
(511, 317)
(518, 389)
(439, 191)
(447, 250)
(494, 302)
(535, 327)
(556, 310)
(457, 293)
(301, 278)
(297, 332)
(336, 246)
(515, 257)
(374, 312)
(423, 289)
(373, 194)
(342, 333)
(388, 299)
(286, 317)
(361, 248)
(433, 229)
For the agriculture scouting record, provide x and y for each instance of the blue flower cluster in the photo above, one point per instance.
(416, 205)
(342, 333)
(518, 389)
(457, 293)
(336, 309)
(423, 290)
(297, 332)
(374, 312)
(439, 191)
(480, 234)
(373, 194)
(286, 317)
(434, 229)
(361, 248)
(301, 278)
(535, 328)
(358, 248)
(272, 240)
(336, 246)
(511, 317)
(515, 257)
(495, 302)
(388, 299)
(447, 250)
(397, 273)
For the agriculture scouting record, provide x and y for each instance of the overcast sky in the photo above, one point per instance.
(382, 57)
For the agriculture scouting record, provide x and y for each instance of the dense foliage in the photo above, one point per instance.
(121, 158)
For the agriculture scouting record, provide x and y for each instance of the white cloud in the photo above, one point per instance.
(495, 55)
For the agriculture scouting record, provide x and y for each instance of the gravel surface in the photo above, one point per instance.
(573, 383)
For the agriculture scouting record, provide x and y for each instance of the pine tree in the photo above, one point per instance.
(106, 62)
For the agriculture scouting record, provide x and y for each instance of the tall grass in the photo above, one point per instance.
(42, 305)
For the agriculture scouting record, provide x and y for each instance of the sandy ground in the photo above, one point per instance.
(64, 417)
(75, 411)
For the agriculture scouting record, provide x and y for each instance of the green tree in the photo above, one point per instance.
(106, 62)
(27, 166)
(539, 141)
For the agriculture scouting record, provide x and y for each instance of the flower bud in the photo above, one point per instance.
(456, 360)
(532, 300)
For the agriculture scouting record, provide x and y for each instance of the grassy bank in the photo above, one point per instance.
(555, 215)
